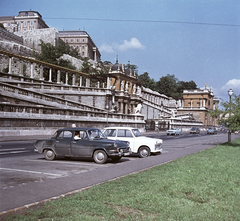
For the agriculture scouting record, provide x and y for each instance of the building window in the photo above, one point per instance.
(83, 53)
(83, 40)
(83, 47)
(26, 14)
(25, 23)
(66, 40)
(31, 23)
(71, 40)
(9, 24)
(77, 40)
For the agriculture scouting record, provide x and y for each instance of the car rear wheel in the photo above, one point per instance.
(49, 155)
(116, 159)
(99, 156)
(144, 152)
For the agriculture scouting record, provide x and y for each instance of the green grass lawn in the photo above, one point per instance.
(201, 186)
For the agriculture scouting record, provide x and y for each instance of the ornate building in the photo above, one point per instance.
(199, 102)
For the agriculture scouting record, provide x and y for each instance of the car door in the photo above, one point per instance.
(63, 143)
(82, 147)
(126, 135)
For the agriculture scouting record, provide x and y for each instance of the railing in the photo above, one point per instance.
(40, 98)
(8, 110)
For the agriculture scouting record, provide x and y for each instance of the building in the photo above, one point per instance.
(25, 20)
(81, 41)
(199, 102)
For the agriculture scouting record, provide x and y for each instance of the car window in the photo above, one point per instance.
(136, 133)
(110, 133)
(65, 134)
(124, 133)
(95, 134)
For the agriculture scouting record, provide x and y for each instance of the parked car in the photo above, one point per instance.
(82, 142)
(173, 131)
(194, 130)
(142, 145)
(212, 130)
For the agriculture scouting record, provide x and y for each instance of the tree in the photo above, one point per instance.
(146, 81)
(230, 115)
(168, 86)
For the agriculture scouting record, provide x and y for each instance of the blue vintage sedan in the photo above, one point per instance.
(174, 131)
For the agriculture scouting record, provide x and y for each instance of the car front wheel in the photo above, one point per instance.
(99, 156)
(49, 155)
(144, 152)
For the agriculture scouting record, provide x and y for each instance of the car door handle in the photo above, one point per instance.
(57, 141)
(74, 142)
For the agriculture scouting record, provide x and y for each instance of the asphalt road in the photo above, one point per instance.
(27, 178)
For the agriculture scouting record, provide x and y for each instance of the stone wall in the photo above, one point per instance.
(31, 38)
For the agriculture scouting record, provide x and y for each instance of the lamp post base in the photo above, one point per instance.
(229, 136)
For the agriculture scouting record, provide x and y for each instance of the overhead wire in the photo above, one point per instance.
(147, 21)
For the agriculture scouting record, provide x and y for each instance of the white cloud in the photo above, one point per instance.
(233, 84)
(106, 48)
(134, 43)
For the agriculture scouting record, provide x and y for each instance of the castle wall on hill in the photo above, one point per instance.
(31, 38)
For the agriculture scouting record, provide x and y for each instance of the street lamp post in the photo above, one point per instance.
(107, 107)
(230, 93)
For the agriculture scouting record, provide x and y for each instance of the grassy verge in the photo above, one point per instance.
(202, 186)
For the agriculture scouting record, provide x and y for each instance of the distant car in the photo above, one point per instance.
(212, 130)
(194, 130)
(173, 131)
(142, 145)
(90, 142)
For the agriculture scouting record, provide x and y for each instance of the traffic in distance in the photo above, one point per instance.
(112, 142)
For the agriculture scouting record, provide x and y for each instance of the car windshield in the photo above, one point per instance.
(136, 133)
(95, 134)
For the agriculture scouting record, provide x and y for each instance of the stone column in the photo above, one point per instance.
(80, 81)
(121, 107)
(50, 74)
(58, 76)
(31, 76)
(66, 79)
(10, 66)
(21, 68)
(87, 82)
(41, 73)
(108, 82)
(74, 80)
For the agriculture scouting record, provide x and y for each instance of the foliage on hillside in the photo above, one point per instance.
(168, 85)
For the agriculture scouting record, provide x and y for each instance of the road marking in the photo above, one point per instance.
(29, 171)
(10, 149)
(68, 162)
(15, 152)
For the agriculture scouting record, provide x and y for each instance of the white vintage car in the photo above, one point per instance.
(142, 145)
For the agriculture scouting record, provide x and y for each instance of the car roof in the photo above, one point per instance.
(78, 128)
(120, 128)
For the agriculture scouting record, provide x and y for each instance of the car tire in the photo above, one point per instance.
(116, 159)
(99, 156)
(49, 154)
(144, 152)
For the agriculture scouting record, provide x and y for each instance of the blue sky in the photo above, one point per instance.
(195, 40)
